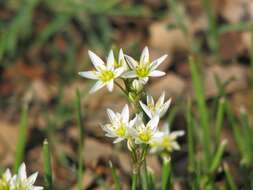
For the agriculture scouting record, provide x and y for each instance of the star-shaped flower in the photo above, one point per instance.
(144, 68)
(144, 133)
(159, 108)
(119, 126)
(22, 182)
(105, 74)
(165, 140)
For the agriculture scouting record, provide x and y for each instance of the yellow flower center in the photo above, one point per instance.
(121, 131)
(145, 136)
(4, 185)
(142, 71)
(166, 142)
(106, 76)
(21, 186)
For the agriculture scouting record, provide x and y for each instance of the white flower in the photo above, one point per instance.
(22, 182)
(165, 141)
(159, 108)
(5, 180)
(144, 68)
(141, 132)
(119, 126)
(105, 74)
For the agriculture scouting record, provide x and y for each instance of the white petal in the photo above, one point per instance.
(157, 73)
(146, 110)
(161, 99)
(31, 179)
(96, 61)
(89, 74)
(157, 62)
(98, 85)
(22, 172)
(7, 174)
(176, 134)
(153, 123)
(121, 59)
(119, 71)
(110, 61)
(143, 80)
(129, 74)
(125, 114)
(110, 86)
(37, 188)
(144, 56)
(117, 140)
(131, 62)
(111, 115)
(175, 145)
(165, 107)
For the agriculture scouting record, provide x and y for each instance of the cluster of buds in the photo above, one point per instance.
(143, 128)
(19, 181)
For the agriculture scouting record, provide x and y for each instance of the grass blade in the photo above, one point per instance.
(202, 109)
(47, 166)
(81, 141)
(190, 138)
(115, 177)
(218, 157)
(22, 133)
(219, 119)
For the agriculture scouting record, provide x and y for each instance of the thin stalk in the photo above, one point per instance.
(115, 177)
(47, 166)
(229, 178)
(218, 157)
(144, 176)
(22, 133)
(81, 141)
(166, 174)
(190, 138)
(202, 108)
(219, 119)
(134, 181)
(251, 67)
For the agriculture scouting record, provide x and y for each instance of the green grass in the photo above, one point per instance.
(22, 136)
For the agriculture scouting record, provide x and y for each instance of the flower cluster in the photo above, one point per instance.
(136, 130)
(19, 181)
(143, 128)
(125, 67)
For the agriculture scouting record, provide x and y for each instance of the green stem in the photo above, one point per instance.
(47, 166)
(134, 181)
(166, 174)
(81, 141)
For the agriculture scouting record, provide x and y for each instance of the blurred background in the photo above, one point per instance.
(44, 44)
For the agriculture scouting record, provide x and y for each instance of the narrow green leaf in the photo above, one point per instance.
(115, 177)
(81, 140)
(190, 138)
(202, 108)
(21, 142)
(47, 166)
(219, 119)
(229, 179)
(218, 157)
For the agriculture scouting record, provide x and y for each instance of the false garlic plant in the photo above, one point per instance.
(141, 133)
